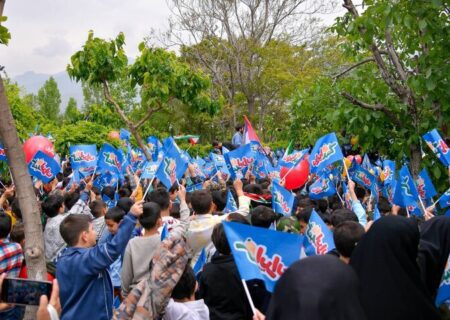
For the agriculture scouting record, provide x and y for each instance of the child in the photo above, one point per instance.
(85, 287)
(183, 305)
(346, 236)
(98, 210)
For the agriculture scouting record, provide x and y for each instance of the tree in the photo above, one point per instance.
(159, 74)
(34, 240)
(233, 41)
(404, 46)
(49, 99)
(72, 114)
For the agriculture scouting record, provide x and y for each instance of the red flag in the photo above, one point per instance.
(249, 132)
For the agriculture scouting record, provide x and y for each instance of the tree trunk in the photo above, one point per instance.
(140, 142)
(34, 240)
(416, 157)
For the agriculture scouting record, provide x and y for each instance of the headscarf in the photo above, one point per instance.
(317, 288)
(434, 248)
(385, 262)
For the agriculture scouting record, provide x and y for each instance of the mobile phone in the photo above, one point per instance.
(24, 291)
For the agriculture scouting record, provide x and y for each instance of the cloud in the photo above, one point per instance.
(56, 46)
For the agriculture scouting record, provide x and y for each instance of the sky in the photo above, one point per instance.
(45, 33)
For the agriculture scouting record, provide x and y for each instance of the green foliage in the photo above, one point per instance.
(72, 114)
(5, 36)
(49, 99)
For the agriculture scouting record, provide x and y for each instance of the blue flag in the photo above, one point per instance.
(444, 288)
(425, 186)
(262, 167)
(376, 213)
(83, 156)
(164, 232)
(110, 203)
(224, 150)
(194, 187)
(291, 160)
(109, 159)
(388, 171)
(198, 267)
(363, 177)
(106, 179)
(325, 152)
(153, 147)
(172, 167)
(124, 134)
(74, 179)
(438, 146)
(2, 153)
(318, 238)
(406, 194)
(444, 200)
(43, 167)
(149, 170)
(261, 253)
(282, 200)
(366, 164)
(239, 160)
(321, 188)
(231, 203)
(219, 162)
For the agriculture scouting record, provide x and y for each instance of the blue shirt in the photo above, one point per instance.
(237, 139)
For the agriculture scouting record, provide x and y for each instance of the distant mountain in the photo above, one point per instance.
(32, 82)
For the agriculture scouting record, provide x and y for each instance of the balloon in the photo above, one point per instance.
(354, 140)
(114, 135)
(297, 176)
(358, 158)
(35, 144)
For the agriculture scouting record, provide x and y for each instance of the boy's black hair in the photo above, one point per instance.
(52, 204)
(70, 199)
(237, 217)
(160, 196)
(219, 197)
(124, 192)
(321, 205)
(262, 216)
(219, 239)
(125, 204)
(253, 188)
(201, 201)
(384, 206)
(96, 207)
(15, 208)
(72, 226)
(150, 215)
(17, 232)
(185, 287)
(175, 211)
(346, 236)
(360, 192)
(96, 190)
(341, 215)
(305, 214)
(109, 191)
(115, 214)
(5, 225)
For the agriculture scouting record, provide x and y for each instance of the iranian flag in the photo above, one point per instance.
(193, 139)
(249, 133)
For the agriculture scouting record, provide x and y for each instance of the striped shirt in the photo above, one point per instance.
(11, 258)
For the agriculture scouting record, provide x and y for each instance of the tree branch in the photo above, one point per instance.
(353, 67)
(147, 116)
(374, 107)
(110, 99)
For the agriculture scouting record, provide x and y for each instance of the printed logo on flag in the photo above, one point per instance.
(326, 151)
(406, 187)
(41, 166)
(438, 146)
(283, 203)
(80, 156)
(387, 173)
(170, 166)
(273, 267)
(321, 189)
(421, 187)
(362, 176)
(111, 159)
(293, 157)
(2, 152)
(316, 236)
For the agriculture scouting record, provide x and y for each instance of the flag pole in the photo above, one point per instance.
(434, 203)
(148, 188)
(2, 184)
(346, 169)
(249, 297)
(10, 174)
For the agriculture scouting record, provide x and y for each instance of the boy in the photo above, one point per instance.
(346, 236)
(162, 197)
(140, 250)
(98, 210)
(183, 305)
(82, 269)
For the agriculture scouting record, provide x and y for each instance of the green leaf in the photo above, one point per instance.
(431, 84)
(422, 24)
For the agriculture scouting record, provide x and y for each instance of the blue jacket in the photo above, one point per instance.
(85, 286)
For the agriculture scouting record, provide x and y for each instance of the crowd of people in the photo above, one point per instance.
(140, 258)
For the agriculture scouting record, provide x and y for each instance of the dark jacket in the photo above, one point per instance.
(221, 287)
(85, 285)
